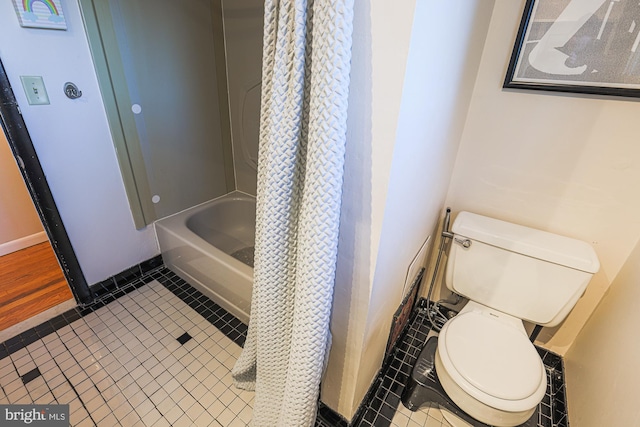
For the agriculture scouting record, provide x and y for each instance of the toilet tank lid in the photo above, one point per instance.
(527, 241)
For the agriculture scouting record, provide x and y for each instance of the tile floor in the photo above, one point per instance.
(155, 351)
(123, 364)
(384, 408)
(427, 417)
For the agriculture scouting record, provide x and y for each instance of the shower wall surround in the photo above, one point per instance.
(243, 21)
(174, 101)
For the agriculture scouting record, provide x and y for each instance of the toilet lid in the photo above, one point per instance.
(492, 356)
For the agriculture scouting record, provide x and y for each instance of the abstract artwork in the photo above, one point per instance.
(40, 14)
(583, 46)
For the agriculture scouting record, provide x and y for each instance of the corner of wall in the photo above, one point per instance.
(601, 369)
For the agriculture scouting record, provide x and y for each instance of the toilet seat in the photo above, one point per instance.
(492, 361)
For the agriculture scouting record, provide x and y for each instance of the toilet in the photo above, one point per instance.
(484, 359)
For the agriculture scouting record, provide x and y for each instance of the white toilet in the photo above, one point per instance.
(510, 273)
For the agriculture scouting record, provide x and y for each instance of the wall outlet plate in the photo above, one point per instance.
(35, 90)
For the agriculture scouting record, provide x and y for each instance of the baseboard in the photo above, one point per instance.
(22, 243)
(39, 318)
(41, 325)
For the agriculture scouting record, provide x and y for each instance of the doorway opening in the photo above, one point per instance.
(40, 260)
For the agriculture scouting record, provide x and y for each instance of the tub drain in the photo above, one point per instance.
(245, 255)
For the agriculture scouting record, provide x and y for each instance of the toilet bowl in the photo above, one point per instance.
(487, 365)
(484, 360)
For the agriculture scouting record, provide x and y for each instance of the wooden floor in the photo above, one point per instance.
(31, 282)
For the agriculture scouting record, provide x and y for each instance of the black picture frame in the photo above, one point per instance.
(598, 46)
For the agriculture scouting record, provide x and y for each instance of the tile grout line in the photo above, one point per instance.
(136, 283)
(214, 315)
(44, 329)
(394, 378)
(68, 349)
(62, 372)
(78, 362)
(135, 308)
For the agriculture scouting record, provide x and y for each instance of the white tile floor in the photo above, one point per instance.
(122, 365)
(425, 417)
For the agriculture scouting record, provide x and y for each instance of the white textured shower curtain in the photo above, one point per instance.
(305, 84)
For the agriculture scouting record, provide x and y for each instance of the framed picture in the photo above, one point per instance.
(582, 46)
(40, 14)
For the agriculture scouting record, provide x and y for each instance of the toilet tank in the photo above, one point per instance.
(530, 274)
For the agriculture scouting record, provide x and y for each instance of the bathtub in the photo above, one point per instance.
(211, 247)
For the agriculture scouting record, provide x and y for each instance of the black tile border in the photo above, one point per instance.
(383, 398)
(327, 417)
(385, 393)
(116, 283)
(103, 294)
(117, 286)
(227, 323)
(367, 412)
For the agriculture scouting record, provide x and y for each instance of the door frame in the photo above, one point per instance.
(15, 129)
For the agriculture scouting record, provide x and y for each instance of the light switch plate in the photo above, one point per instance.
(35, 90)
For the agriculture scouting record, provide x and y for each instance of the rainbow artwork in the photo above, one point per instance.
(40, 14)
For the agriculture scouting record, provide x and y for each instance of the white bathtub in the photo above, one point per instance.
(204, 246)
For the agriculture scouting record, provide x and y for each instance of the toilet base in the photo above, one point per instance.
(424, 387)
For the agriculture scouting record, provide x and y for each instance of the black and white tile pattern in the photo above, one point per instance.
(153, 350)
(385, 409)
(122, 364)
(228, 324)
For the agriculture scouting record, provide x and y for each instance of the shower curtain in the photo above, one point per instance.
(305, 83)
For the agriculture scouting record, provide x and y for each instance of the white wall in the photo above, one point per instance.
(353, 271)
(374, 101)
(564, 163)
(73, 143)
(601, 368)
(438, 83)
(409, 96)
(18, 217)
